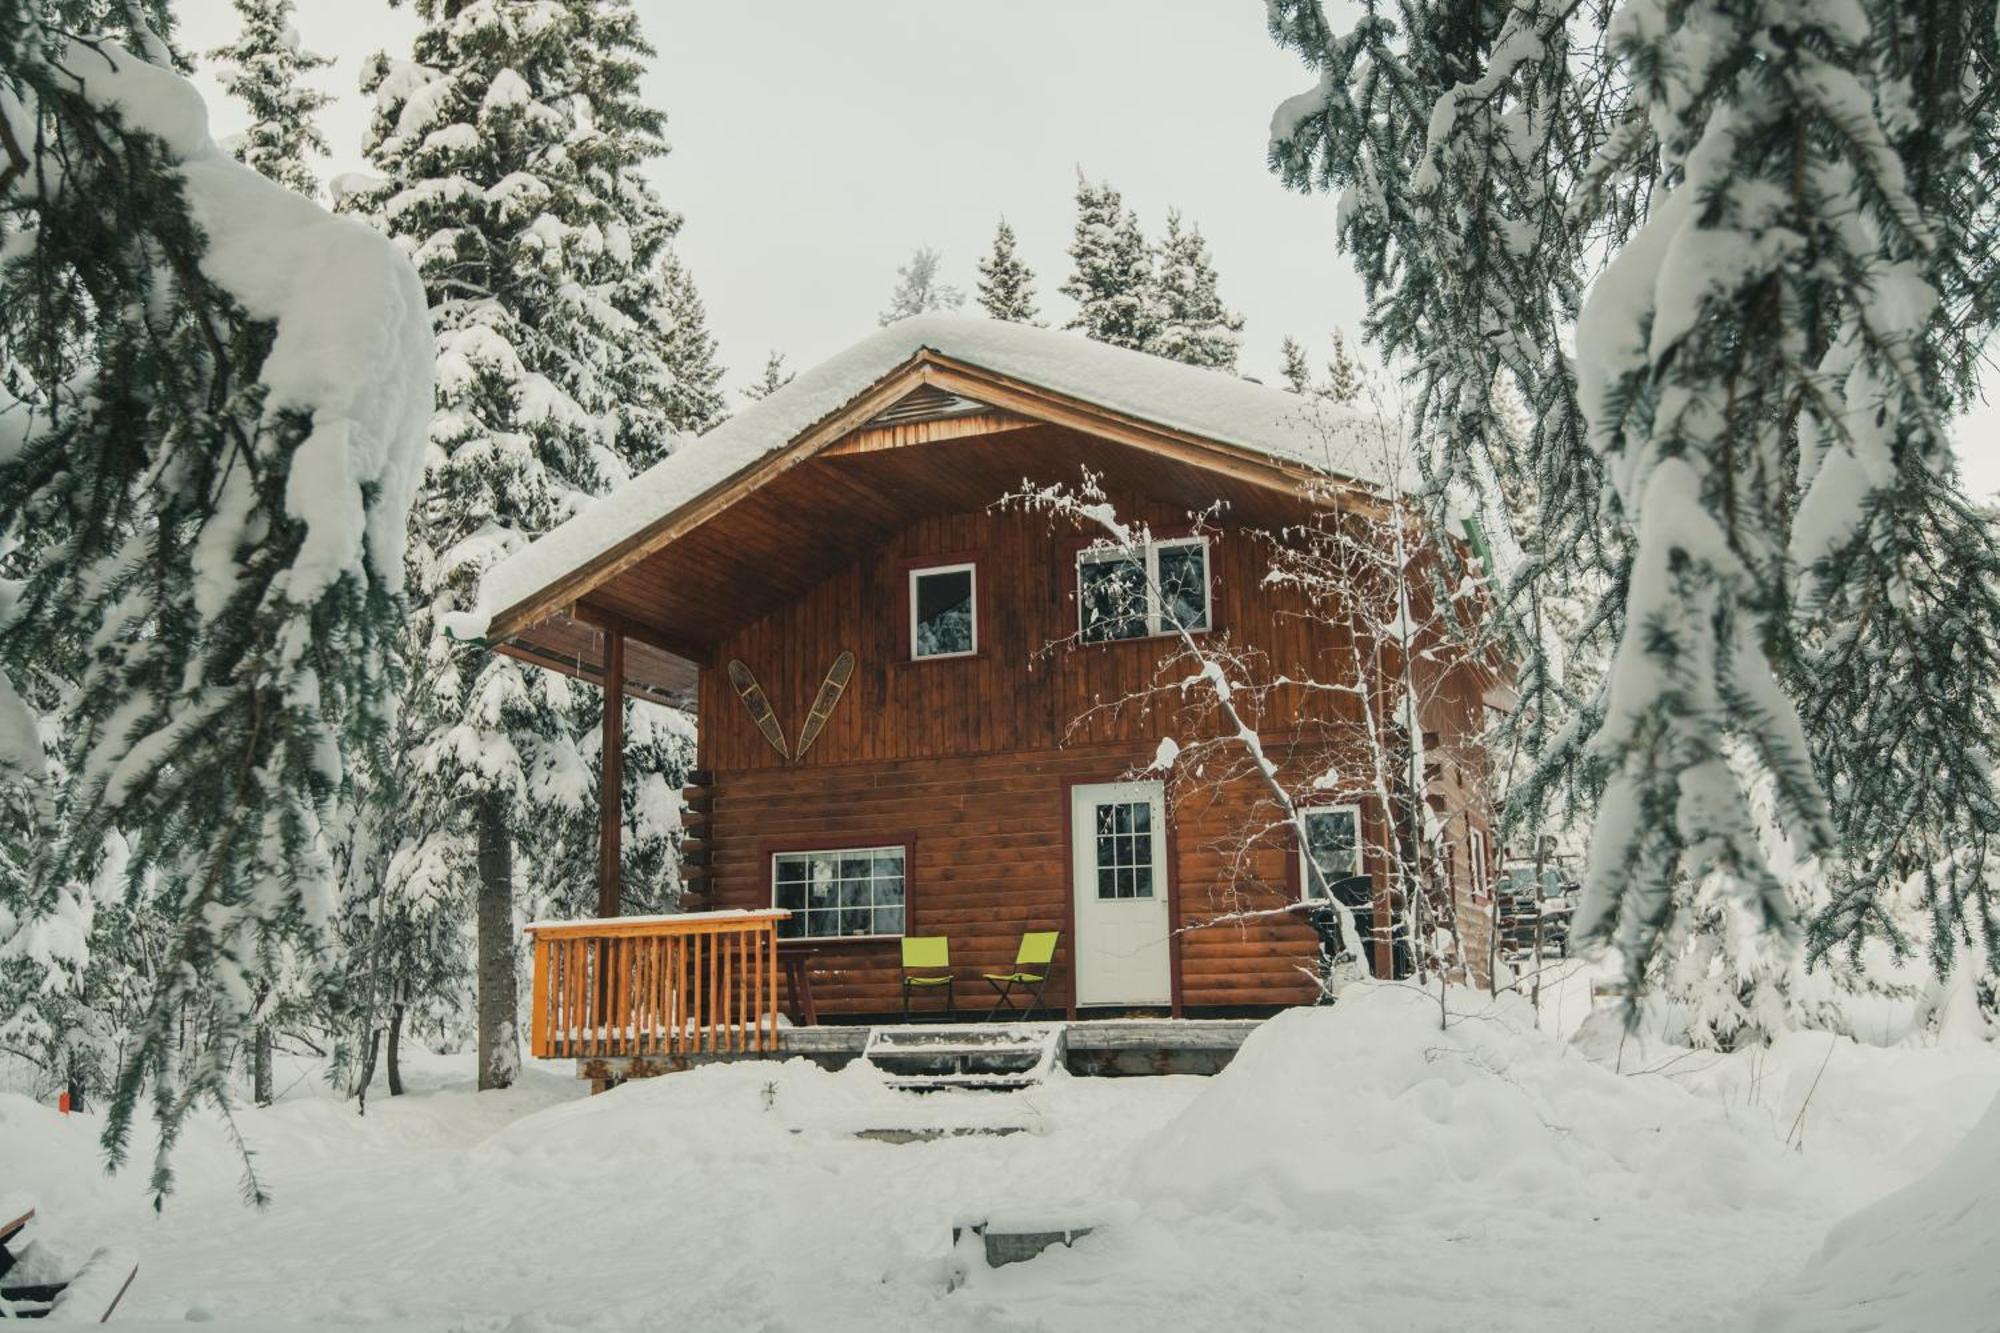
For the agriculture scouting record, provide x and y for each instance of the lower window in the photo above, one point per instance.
(837, 893)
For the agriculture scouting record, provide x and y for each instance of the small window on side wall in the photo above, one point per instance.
(1333, 846)
(944, 611)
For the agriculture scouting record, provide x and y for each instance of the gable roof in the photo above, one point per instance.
(1242, 417)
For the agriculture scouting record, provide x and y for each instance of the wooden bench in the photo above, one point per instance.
(91, 1285)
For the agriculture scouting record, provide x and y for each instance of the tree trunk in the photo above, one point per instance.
(367, 1074)
(498, 1055)
(260, 1066)
(396, 1050)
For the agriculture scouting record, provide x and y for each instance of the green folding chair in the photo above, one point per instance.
(1033, 963)
(927, 966)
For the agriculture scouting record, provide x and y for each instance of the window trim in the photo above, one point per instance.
(1092, 553)
(1306, 812)
(907, 845)
(916, 572)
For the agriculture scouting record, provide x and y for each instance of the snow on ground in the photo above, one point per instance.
(1355, 1168)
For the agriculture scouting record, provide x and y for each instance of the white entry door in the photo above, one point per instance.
(1118, 831)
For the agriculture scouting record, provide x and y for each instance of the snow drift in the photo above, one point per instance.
(1338, 1117)
(1926, 1257)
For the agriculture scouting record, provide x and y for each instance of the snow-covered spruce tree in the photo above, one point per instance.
(659, 366)
(1343, 375)
(509, 149)
(1456, 132)
(1193, 324)
(263, 69)
(1760, 368)
(209, 436)
(1006, 283)
(1296, 370)
(919, 290)
(774, 378)
(1900, 591)
(1112, 278)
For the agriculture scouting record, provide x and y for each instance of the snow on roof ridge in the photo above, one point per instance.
(1211, 404)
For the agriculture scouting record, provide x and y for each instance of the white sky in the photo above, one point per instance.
(817, 144)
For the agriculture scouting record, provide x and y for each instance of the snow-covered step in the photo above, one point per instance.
(993, 1056)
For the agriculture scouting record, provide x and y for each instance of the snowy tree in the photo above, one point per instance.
(1344, 384)
(1789, 199)
(919, 290)
(510, 147)
(1192, 323)
(659, 365)
(1006, 283)
(212, 414)
(263, 69)
(1343, 375)
(1112, 281)
(1456, 138)
(774, 378)
(1296, 370)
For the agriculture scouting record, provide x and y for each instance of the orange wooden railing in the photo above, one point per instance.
(701, 984)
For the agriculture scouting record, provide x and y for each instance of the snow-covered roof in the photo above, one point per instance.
(1206, 403)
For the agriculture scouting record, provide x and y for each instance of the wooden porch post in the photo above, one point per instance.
(611, 790)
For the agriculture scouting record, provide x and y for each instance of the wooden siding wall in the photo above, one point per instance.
(967, 761)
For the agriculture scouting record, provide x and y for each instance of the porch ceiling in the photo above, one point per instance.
(778, 541)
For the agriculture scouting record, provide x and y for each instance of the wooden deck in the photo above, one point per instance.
(1105, 1047)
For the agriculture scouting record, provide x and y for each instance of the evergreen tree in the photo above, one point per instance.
(918, 290)
(510, 149)
(263, 70)
(1298, 375)
(1006, 284)
(1769, 415)
(1343, 375)
(213, 434)
(1456, 174)
(1192, 323)
(1112, 281)
(659, 367)
(775, 377)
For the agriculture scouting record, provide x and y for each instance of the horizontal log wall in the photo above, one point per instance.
(987, 861)
(1022, 691)
(965, 761)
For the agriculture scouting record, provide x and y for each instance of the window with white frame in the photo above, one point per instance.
(1136, 592)
(842, 892)
(944, 611)
(1476, 838)
(1333, 844)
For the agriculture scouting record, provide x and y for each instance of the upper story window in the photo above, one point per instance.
(1333, 844)
(1135, 592)
(944, 611)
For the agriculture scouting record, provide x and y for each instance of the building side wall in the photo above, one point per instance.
(968, 762)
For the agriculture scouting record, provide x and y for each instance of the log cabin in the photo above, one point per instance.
(901, 691)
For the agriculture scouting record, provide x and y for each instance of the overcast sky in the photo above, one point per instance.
(816, 144)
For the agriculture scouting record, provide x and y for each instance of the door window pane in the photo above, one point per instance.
(942, 612)
(1124, 849)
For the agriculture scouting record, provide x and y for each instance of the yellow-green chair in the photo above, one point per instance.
(927, 966)
(1034, 961)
